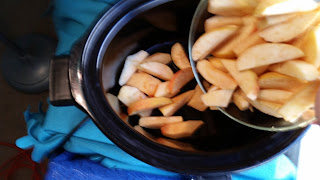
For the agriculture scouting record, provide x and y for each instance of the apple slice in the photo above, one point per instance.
(216, 62)
(247, 80)
(128, 95)
(130, 66)
(308, 114)
(144, 132)
(292, 28)
(274, 80)
(252, 40)
(156, 122)
(213, 88)
(180, 79)
(213, 108)
(220, 21)
(266, 107)
(273, 20)
(156, 69)
(175, 144)
(274, 95)
(231, 7)
(177, 103)
(114, 103)
(296, 68)
(144, 82)
(311, 46)
(226, 50)
(208, 41)
(159, 57)
(276, 7)
(181, 129)
(179, 56)
(215, 76)
(300, 102)
(267, 53)
(240, 100)
(260, 70)
(147, 104)
(196, 101)
(163, 90)
(219, 98)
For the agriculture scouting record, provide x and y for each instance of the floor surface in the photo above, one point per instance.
(17, 18)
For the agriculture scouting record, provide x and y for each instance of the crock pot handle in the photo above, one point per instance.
(59, 84)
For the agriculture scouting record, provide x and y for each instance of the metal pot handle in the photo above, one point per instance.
(59, 84)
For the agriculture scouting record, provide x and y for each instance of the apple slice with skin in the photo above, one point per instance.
(296, 68)
(216, 62)
(144, 82)
(231, 7)
(130, 66)
(196, 101)
(276, 7)
(144, 132)
(292, 28)
(219, 98)
(252, 40)
(156, 69)
(240, 100)
(156, 122)
(180, 79)
(275, 95)
(114, 103)
(215, 76)
(208, 41)
(159, 57)
(163, 90)
(177, 103)
(267, 53)
(179, 56)
(220, 21)
(128, 95)
(274, 80)
(147, 104)
(175, 144)
(247, 79)
(181, 129)
(300, 102)
(311, 46)
(226, 50)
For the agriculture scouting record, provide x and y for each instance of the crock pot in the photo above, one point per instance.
(93, 68)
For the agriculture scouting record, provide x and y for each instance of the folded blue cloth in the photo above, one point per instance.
(72, 19)
(47, 130)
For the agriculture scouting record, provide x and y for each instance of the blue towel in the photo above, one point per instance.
(72, 19)
(47, 130)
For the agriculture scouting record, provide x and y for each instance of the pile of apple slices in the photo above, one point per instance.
(261, 53)
(148, 83)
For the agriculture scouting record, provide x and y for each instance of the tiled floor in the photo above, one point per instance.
(17, 18)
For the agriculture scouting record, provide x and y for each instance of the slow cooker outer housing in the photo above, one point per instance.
(86, 90)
